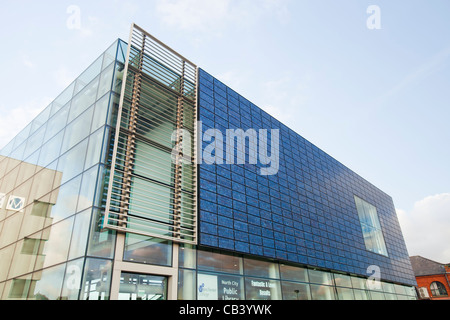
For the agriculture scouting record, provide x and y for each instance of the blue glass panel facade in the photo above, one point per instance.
(305, 214)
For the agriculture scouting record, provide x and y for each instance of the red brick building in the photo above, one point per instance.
(433, 278)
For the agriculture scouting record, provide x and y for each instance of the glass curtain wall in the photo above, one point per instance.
(52, 177)
(212, 275)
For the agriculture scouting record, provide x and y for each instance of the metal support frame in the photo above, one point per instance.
(162, 66)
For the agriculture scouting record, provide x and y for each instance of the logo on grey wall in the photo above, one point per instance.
(15, 203)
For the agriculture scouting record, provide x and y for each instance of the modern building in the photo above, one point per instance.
(433, 278)
(149, 179)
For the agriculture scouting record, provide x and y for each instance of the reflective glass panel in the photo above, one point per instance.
(345, 294)
(147, 250)
(371, 227)
(220, 287)
(360, 294)
(322, 292)
(342, 280)
(293, 273)
(142, 287)
(261, 268)
(295, 291)
(47, 284)
(187, 283)
(96, 280)
(320, 277)
(262, 289)
(211, 261)
(187, 257)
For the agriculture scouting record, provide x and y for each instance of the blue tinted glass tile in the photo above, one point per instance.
(256, 250)
(226, 244)
(208, 228)
(225, 232)
(209, 240)
(242, 247)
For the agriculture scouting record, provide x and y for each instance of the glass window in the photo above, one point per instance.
(72, 280)
(211, 261)
(51, 150)
(110, 55)
(438, 289)
(96, 281)
(154, 163)
(71, 164)
(220, 287)
(88, 187)
(58, 122)
(106, 81)
(293, 273)
(262, 289)
(19, 288)
(359, 283)
(47, 284)
(64, 97)
(77, 130)
(345, 294)
(322, 292)
(100, 113)
(84, 99)
(390, 296)
(80, 234)
(55, 242)
(34, 141)
(376, 295)
(371, 228)
(118, 77)
(260, 268)
(411, 291)
(360, 294)
(342, 280)
(18, 152)
(320, 277)
(295, 291)
(95, 148)
(388, 287)
(101, 243)
(67, 200)
(142, 287)
(187, 284)
(187, 257)
(21, 137)
(147, 250)
(399, 289)
(88, 75)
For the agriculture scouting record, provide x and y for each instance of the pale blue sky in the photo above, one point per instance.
(376, 100)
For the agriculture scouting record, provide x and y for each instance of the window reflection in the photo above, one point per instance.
(142, 287)
(262, 289)
(148, 250)
(322, 292)
(261, 268)
(295, 291)
(293, 273)
(211, 261)
(371, 228)
(96, 280)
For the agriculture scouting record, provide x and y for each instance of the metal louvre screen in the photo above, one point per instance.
(153, 182)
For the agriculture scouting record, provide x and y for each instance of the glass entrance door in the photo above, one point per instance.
(142, 287)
